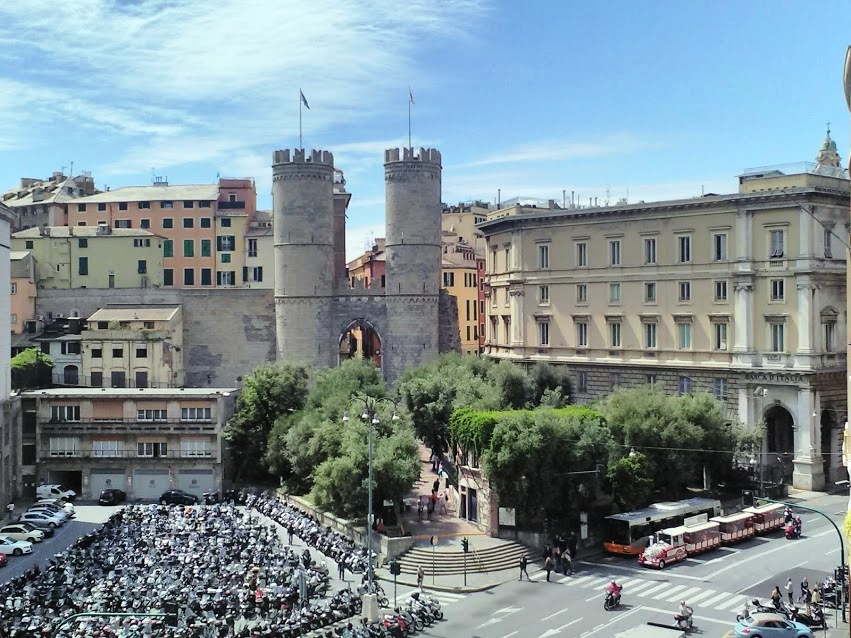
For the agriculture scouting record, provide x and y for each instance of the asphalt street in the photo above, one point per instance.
(716, 585)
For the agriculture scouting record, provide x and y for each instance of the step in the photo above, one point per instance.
(494, 558)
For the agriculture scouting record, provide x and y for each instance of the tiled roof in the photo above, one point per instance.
(194, 192)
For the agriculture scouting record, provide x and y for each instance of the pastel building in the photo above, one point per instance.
(460, 272)
(69, 257)
(204, 226)
(10, 479)
(259, 252)
(741, 295)
(23, 289)
(40, 202)
(130, 346)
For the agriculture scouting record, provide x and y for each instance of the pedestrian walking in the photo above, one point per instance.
(290, 534)
(815, 600)
(571, 545)
(790, 590)
(548, 565)
(776, 597)
(420, 577)
(523, 563)
(10, 510)
(420, 508)
(433, 460)
(341, 570)
(443, 500)
(805, 589)
(547, 552)
(436, 485)
(429, 508)
(567, 563)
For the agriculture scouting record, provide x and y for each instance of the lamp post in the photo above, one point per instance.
(370, 416)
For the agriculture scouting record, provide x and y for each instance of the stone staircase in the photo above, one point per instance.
(447, 562)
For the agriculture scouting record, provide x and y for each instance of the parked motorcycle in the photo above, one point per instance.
(811, 616)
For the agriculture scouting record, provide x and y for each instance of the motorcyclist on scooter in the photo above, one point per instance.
(685, 611)
(797, 525)
(614, 589)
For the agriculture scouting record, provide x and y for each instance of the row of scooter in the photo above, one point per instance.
(419, 612)
(810, 615)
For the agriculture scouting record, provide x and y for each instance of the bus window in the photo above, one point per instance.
(639, 531)
(617, 531)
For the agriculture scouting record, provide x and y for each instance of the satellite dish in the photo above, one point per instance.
(847, 78)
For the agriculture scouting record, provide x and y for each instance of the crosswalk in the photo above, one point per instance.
(645, 589)
(445, 597)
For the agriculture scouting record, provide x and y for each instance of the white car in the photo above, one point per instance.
(22, 532)
(55, 491)
(52, 510)
(58, 502)
(11, 546)
(42, 518)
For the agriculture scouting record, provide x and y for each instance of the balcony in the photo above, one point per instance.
(129, 426)
(98, 455)
(231, 205)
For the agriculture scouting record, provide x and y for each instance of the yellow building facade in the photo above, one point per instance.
(740, 295)
(69, 257)
(130, 346)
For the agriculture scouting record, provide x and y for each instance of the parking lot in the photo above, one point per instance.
(89, 517)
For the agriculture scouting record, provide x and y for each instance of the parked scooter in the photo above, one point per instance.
(811, 616)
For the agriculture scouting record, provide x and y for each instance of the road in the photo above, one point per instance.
(716, 585)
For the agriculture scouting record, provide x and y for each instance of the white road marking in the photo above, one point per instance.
(726, 622)
(631, 570)
(684, 595)
(671, 593)
(704, 594)
(561, 611)
(509, 635)
(618, 618)
(654, 589)
(581, 579)
(740, 562)
(735, 601)
(716, 599)
(643, 585)
(564, 579)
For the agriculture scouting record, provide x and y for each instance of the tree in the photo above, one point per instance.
(631, 480)
(272, 390)
(515, 386)
(550, 385)
(543, 462)
(31, 369)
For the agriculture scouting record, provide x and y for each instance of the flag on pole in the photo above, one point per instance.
(304, 100)
(410, 95)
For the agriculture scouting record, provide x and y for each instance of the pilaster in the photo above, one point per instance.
(518, 328)
(809, 470)
(804, 319)
(743, 340)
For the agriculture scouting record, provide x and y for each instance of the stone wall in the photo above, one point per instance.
(226, 332)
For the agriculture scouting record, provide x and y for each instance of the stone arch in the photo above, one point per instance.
(360, 338)
(779, 429)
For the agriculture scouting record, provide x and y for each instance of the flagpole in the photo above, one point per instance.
(409, 120)
(300, 142)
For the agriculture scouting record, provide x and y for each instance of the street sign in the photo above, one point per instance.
(433, 540)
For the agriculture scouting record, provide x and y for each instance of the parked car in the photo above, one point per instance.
(178, 497)
(55, 491)
(43, 518)
(50, 509)
(22, 532)
(112, 497)
(17, 548)
(58, 502)
(769, 625)
(42, 527)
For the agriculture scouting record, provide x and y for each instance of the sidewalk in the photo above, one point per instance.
(445, 527)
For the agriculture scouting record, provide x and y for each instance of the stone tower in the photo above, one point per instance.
(315, 307)
(413, 255)
(303, 203)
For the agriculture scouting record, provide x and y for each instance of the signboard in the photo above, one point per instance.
(698, 519)
(434, 540)
(507, 517)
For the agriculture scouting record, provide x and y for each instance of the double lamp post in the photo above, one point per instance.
(369, 414)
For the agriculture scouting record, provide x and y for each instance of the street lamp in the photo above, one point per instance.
(370, 416)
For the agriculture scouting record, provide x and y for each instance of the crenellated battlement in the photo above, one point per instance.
(300, 157)
(425, 155)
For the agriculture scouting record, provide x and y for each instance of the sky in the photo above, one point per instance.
(647, 100)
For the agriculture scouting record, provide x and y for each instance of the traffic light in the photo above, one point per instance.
(465, 544)
(170, 608)
(395, 567)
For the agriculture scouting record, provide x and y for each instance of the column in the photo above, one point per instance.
(809, 472)
(743, 317)
(744, 243)
(518, 317)
(804, 318)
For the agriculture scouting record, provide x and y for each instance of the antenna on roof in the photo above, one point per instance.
(607, 194)
(71, 170)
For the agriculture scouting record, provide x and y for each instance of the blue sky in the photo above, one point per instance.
(653, 98)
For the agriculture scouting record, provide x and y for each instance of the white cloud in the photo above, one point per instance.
(178, 81)
(554, 150)
(360, 237)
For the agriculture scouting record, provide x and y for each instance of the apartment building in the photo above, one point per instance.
(368, 270)
(259, 268)
(10, 478)
(23, 289)
(44, 202)
(143, 441)
(134, 346)
(461, 268)
(203, 225)
(741, 295)
(69, 257)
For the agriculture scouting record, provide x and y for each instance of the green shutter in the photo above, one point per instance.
(84, 266)
(206, 246)
(168, 248)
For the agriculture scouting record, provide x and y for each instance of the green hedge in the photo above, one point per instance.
(472, 429)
